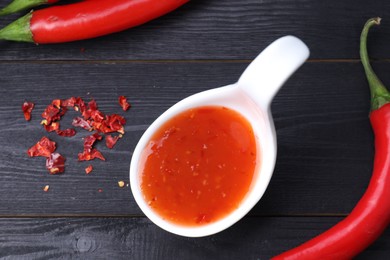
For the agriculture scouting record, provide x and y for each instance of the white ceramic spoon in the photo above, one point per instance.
(251, 96)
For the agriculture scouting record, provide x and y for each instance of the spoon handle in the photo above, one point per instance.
(271, 68)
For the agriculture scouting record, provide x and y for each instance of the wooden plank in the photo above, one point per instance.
(138, 238)
(321, 116)
(212, 29)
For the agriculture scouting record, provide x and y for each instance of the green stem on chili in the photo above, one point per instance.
(18, 30)
(371, 215)
(20, 5)
(85, 20)
(379, 93)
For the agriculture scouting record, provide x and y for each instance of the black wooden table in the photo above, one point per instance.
(325, 140)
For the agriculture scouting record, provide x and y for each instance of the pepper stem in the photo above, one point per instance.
(20, 5)
(19, 30)
(379, 94)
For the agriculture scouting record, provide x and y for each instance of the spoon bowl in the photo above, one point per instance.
(251, 96)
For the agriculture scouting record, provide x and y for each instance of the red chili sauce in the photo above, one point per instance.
(199, 165)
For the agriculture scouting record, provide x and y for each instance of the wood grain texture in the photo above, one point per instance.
(229, 29)
(325, 142)
(321, 116)
(138, 238)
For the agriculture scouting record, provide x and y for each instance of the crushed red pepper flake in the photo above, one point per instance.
(92, 105)
(27, 108)
(66, 133)
(111, 123)
(80, 104)
(56, 103)
(43, 147)
(81, 122)
(70, 102)
(88, 169)
(123, 103)
(111, 141)
(91, 119)
(55, 163)
(54, 126)
(96, 116)
(90, 140)
(51, 113)
(98, 136)
(88, 155)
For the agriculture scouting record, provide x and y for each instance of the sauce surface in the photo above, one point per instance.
(199, 165)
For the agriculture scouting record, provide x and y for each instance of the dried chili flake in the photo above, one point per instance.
(51, 114)
(27, 108)
(56, 103)
(80, 104)
(89, 141)
(92, 105)
(115, 123)
(55, 163)
(97, 136)
(88, 169)
(54, 126)
(101, 127)
(96, 116)
(96, 154)
(66, 133)
(70, 102)
(88, 155)
(123, 103)
(91, 110)
(80, 122)
(111, 141)
(44, 148)
(62, 112)
(91, 119)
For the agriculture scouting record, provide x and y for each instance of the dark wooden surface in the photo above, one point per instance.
(321, 115)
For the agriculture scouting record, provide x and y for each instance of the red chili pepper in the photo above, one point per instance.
(371, 215)
(20, 5)
(27, 108)
(123, 103)
(86, 19)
